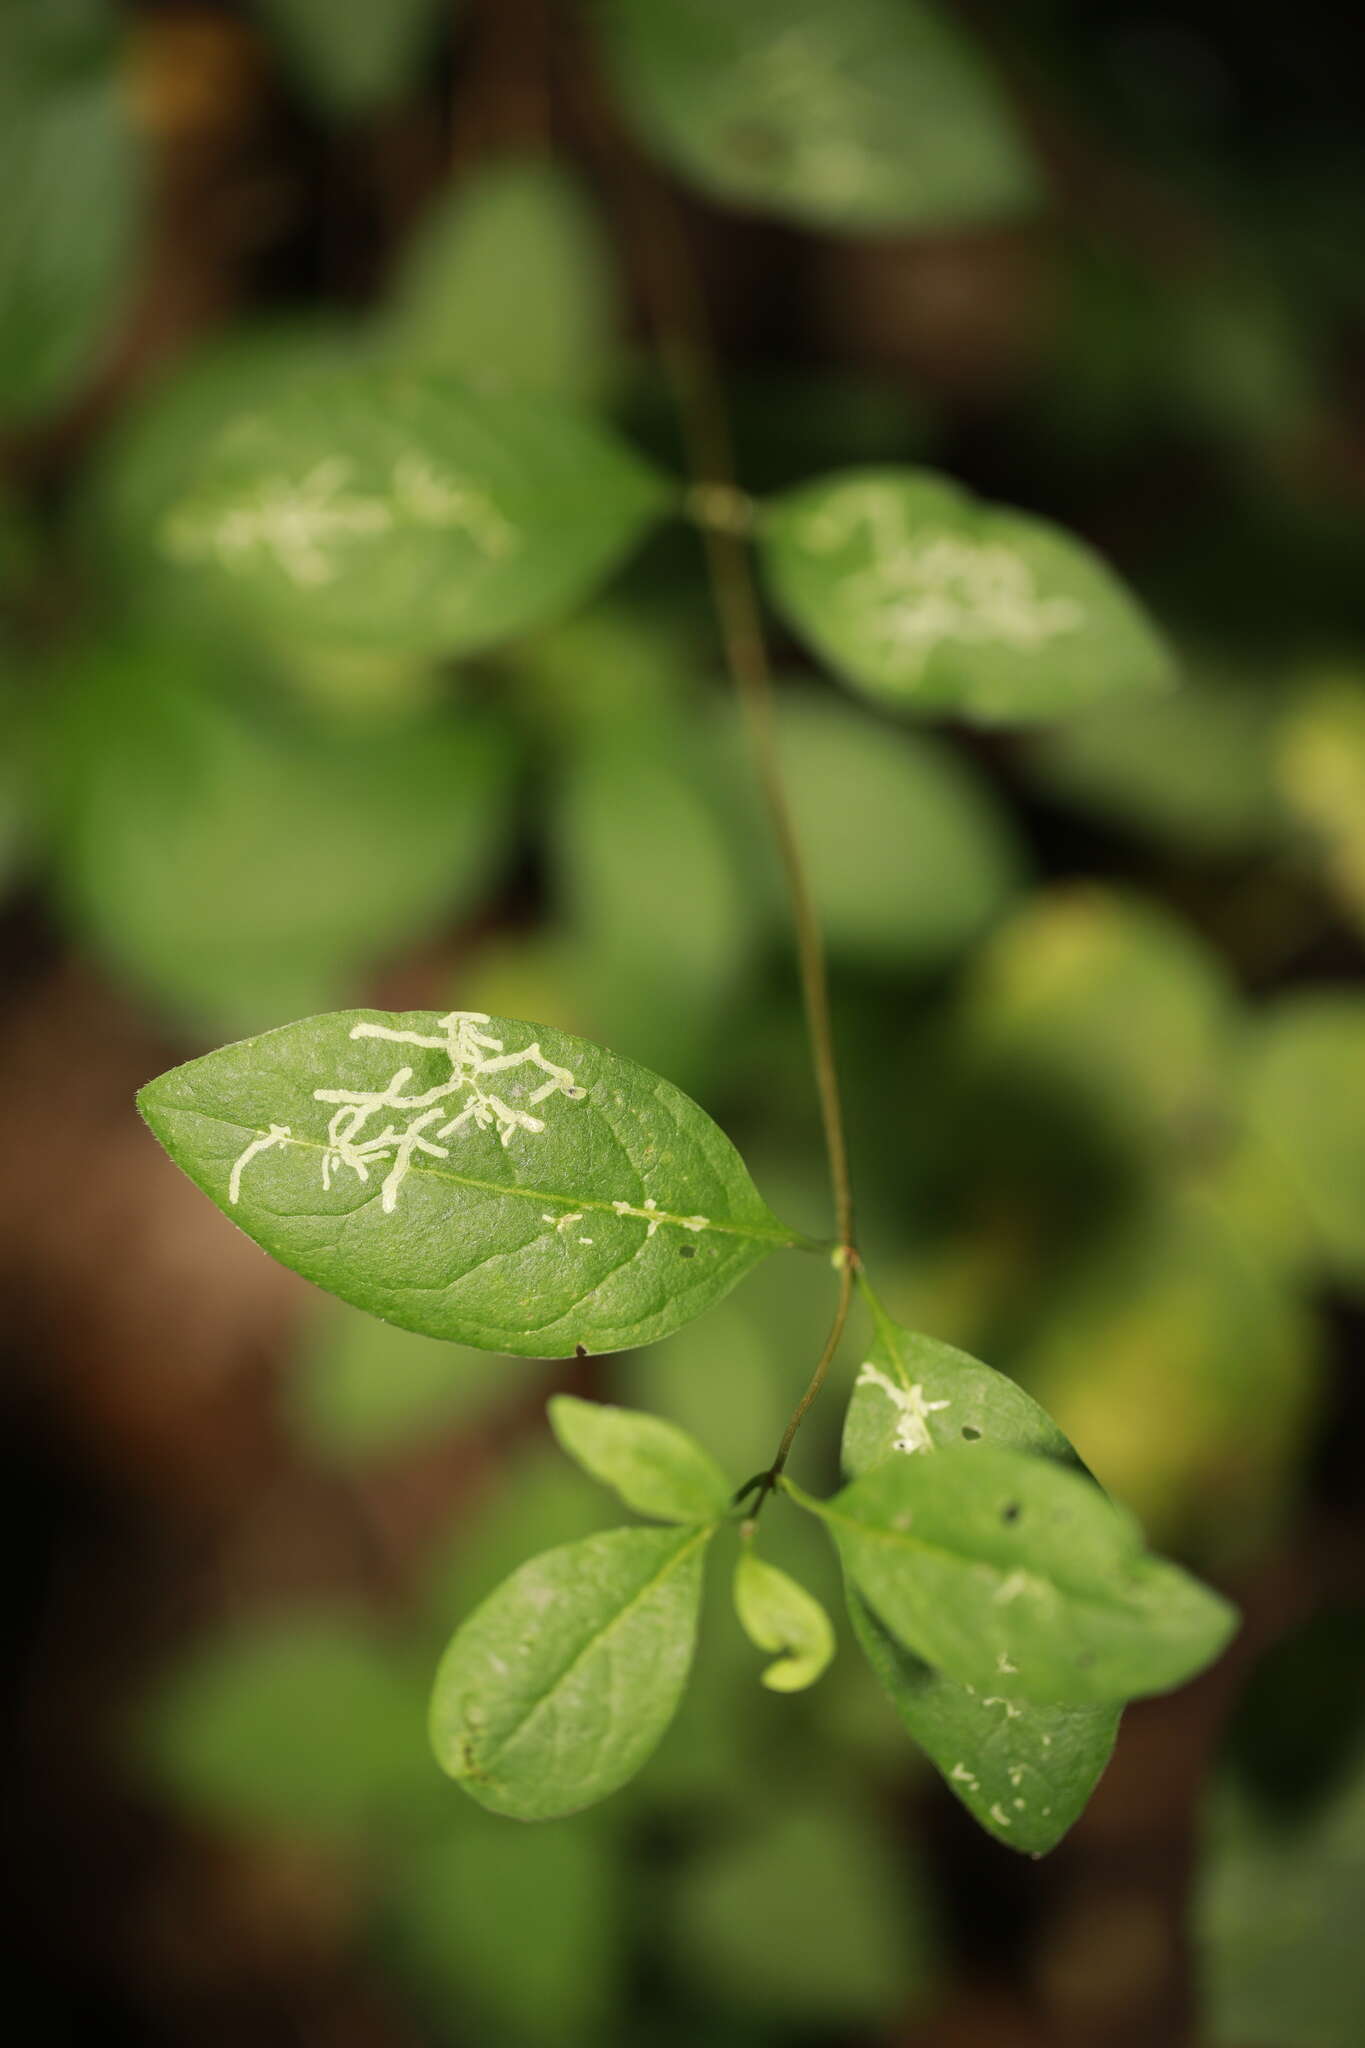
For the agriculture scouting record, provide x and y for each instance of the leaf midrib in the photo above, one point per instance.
(785, 1239)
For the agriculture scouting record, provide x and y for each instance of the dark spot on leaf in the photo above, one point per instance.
(1085, 1660)
(970, 1433)
(687, 1251)
(1011, 1511)
(580, 1351)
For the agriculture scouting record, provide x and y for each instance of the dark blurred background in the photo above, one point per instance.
(1098, 989)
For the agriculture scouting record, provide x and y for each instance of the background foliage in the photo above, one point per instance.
(1098, 983)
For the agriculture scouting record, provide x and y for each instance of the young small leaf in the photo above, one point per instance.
(554, 1691)
(468, 1177)
(656, 1468)
(780, 1616)
(1024, 1772)
(931, 602)
(410, 513)
(873, 114)
(1014, 1575)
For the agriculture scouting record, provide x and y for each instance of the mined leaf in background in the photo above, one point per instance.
(1276, 1916)
(1192, 770)
(781, 1617)
(650, 873)
(1013, 1574)
(240, 870)
(1023, 1771)
(811, 1919)
(508, 281)
(1304, 1090)
(1187, 1372)
(518, 1931)
(1088, 993)
(536, 1194)
(306, 1723)
(362, 1389)
(409, 513)
(71, 175)
(555, 1691)
(355, 60)
(655, 1467)
(909, 857)
(933, 602)
(1321, 773)
(869, 115)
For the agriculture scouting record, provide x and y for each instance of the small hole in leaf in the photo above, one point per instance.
(1011, 1511)
(970, 1433)
(687, 1251)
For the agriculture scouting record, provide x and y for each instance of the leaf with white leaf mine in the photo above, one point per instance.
(1015, 1575)
(481, 1179)
(780, 1616)
(656, 1468)
(933, 602)
(409, 513)
(1023, 1771)
(554, 1691)
(873, 114)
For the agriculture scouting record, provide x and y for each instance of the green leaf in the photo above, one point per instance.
(363, 1389)
(932, 602)
(1304, 1090)
(1276, 1911)
(472, 1178)
(811, 1920)
(1190, 771)
(872, 115)
(656, 1468)
(1017, 1576)
(555, 1691)
(516, 1934)
(71, 174)
(355, 60)
(780, 1616)
(1023, 1771)
(306, 1723)
(1320, 769)
(909, 856)
(238, 868)
(509, 282)
(410, 513)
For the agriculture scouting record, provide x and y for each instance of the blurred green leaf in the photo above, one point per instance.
(537, 1503)
(509, 282)
(1187, 1372)
(16, 780)
(1023, 1771)
(306, 1723)
(240, 870)
(778, 1615)
(1321, 772)
(1009, 1572)
(1192, 770)
(1107, 998)
(460, 1244)
(812, 1919)
(521, 1931)
(874, 115)
(71, 173)
(654, 1466)
(409, 514)
(355, 60)
(1305, 1099)
(1277, 1906)
(909, 857)
(932, 602)
(362, 1388)
(555, 1691)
